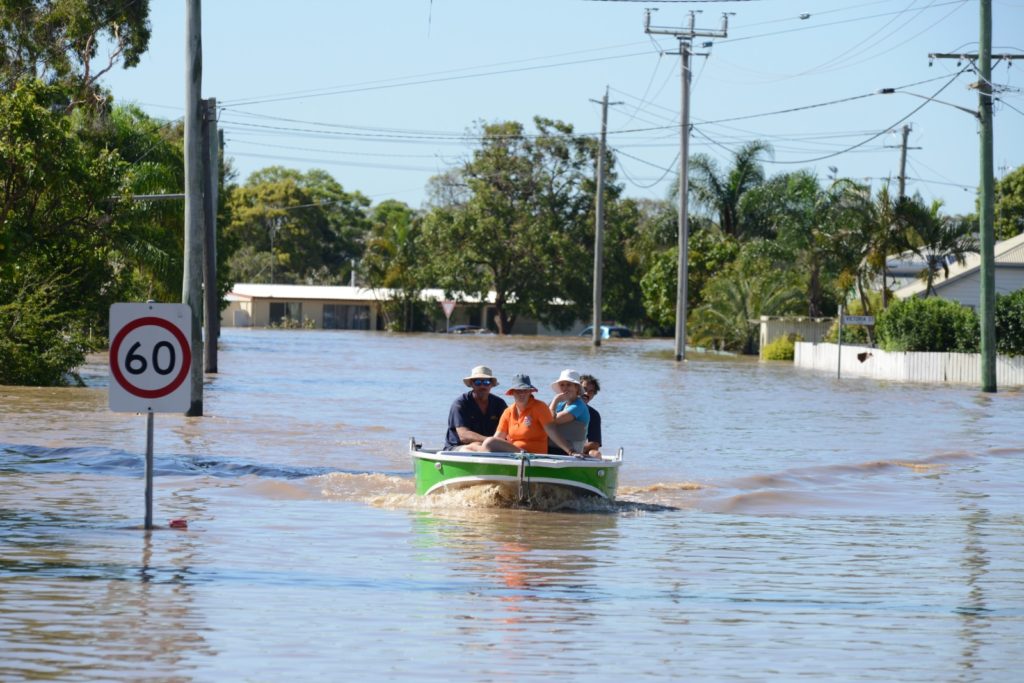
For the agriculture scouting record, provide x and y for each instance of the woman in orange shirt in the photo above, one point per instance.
(525, 426)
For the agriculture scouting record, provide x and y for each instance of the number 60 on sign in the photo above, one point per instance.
(150, 358)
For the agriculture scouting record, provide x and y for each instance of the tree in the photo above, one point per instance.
(940, 240)
(58, 236)
(721, 192)
(807, 221)
(522, 225)
(394, 260)
(309, 225)
(59, 42)
(878, 229)
(745, 290)
(1009, 205)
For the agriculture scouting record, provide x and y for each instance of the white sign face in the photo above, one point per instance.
(150, 358)
(859, 319)
(448, 307)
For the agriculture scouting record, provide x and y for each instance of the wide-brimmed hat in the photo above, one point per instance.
(520, 382)
(480, 372)
(567, 376)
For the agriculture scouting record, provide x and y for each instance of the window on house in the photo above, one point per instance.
(346, 317)
(282, 311)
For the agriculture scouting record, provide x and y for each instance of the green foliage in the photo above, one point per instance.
(783, 348)
(854, 334)
(57, 220)
(658, 286)
(938, 239)
(1009, 204)
(1010, 323)
(523, 225)
(721, 192)
(59, 42)
(41, 341)
(395, 260)
(932, 324)
(736, 298)
(310, 227)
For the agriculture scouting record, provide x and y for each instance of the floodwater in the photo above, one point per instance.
(771, 524)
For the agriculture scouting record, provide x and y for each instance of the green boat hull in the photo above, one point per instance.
(440, 470)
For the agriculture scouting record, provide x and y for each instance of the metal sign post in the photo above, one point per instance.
(449, 307)
(850, 320)
(150, 367)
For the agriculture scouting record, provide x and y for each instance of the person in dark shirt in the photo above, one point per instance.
(474, 415)
(590, 388)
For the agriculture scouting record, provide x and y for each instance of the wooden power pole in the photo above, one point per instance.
(986, 191)
(684, 35)
(599, 220)
(191, 285)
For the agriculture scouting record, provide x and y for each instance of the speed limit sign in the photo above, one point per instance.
(150, 358)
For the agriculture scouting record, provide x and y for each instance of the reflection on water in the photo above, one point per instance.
(771, 524)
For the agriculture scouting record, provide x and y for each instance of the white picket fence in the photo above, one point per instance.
(906, 366)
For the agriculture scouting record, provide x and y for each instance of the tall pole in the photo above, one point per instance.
(683, 267)
(211, 171)
(903, 161)
(986, 208)
(192, 282)
(599, 221)
(986, 190)
(682, 271)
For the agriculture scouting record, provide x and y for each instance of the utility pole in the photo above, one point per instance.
(986, 191)
(191, 286)
(903, 161)
(211, 173)
(684, 36)
(599, 219)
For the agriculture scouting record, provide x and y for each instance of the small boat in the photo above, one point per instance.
(438, 470)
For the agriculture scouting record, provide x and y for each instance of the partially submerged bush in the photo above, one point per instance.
(1010, 323)
(931, 324)
(783, 348)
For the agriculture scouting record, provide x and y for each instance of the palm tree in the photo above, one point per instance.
(742, 293)
(721, 192)
(940, 240)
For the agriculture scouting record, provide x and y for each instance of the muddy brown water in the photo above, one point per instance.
(771, 524)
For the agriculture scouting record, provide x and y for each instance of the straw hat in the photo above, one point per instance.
(480, 372)
(567, 376)
(520, 382)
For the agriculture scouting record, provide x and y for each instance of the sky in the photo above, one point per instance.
(385, 94)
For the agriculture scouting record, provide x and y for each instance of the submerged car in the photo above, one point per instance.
(608, 332)
(468, 329)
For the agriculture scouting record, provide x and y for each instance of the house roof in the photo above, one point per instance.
(249, 291)
(1007, 253)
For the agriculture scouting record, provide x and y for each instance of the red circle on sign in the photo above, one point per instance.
(186, 353)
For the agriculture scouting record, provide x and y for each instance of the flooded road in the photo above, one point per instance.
(771, 524)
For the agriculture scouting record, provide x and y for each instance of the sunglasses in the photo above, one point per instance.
(481, 383)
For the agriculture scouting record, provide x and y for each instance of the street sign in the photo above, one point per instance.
(150, 358)
(858, 320)
(448, 307)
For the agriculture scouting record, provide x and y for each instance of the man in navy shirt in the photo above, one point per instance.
(474, 415)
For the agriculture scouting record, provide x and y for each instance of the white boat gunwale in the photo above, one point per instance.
(535, 459)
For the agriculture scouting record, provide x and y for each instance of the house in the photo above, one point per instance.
(352, 308)
(964, 281)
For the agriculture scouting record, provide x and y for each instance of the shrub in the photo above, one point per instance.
(1010, 323)
(39, 344)
(932, 324)
(782, 348)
